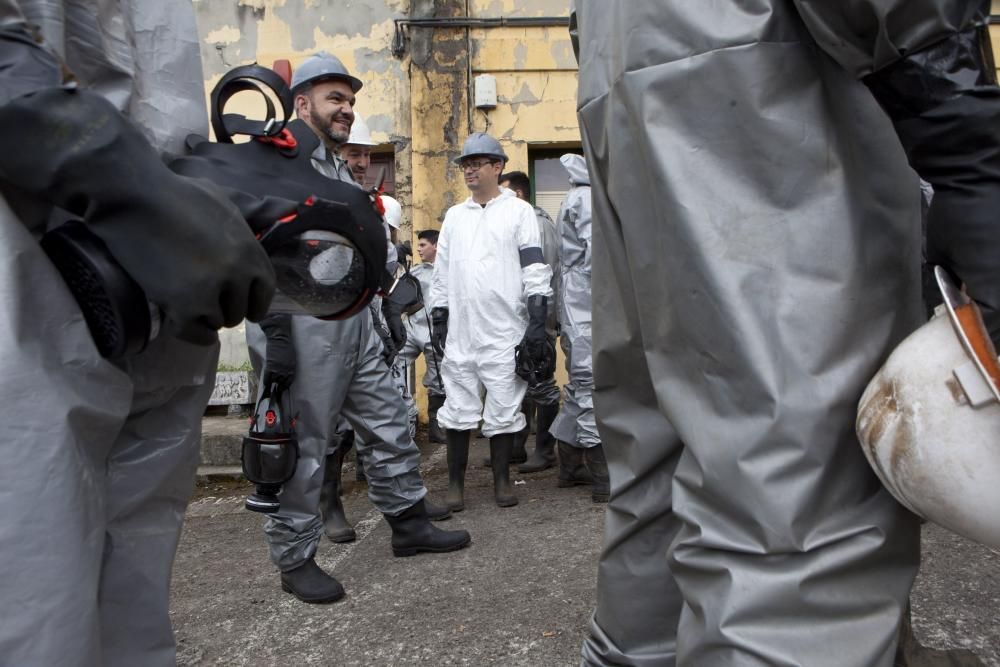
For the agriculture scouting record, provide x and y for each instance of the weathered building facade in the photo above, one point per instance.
(419, 60)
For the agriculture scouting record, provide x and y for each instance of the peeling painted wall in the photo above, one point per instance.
(419, 105)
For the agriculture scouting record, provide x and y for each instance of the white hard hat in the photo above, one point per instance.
(393, 211)
(322, 66)
(480, 143)
(929, 422)
(360, 134)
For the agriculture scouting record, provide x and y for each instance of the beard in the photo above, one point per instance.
(335, 135)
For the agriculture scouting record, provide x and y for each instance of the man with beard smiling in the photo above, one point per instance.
(334, 368)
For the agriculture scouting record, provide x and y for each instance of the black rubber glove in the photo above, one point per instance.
(393, 314)
(536, 340)
(279, 357)
(185, 244)
(945, 106)
(403, 252)
(439, 329)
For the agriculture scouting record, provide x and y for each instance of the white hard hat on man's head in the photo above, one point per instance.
(321, 67)
(360, 134)
(393, 211)
(929, 422)
(481, 144)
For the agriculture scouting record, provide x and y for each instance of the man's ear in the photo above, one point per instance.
(301, 106)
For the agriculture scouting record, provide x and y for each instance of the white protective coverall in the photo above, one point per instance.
(99, 461)
(756, 258)
(339, 375)
(576, 424)
(479, 278)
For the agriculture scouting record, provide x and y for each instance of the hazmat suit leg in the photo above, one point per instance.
(105, 458)
(68, 406)
(373, 408)
(151, 479)
(335, 360)
(784, 277)
(465, 377)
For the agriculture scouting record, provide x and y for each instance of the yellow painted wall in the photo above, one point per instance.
(418, 105)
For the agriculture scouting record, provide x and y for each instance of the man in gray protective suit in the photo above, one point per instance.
(418, 334)
(100, 457)
(575, 428)
(752, 270)
(334, 368)
(542, 398)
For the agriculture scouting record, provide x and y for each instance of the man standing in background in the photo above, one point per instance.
(542, 398)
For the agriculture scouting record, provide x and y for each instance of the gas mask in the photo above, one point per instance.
(325, 239)
(271, 449)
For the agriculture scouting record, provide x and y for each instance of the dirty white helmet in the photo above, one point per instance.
(360, 134)
(320, 67)
(393, 211)
(929, 422)
(480, 143)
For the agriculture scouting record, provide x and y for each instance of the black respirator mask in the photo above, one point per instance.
(328, 254)
(271, 449)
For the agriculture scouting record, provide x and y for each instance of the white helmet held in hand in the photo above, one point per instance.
(929, 422)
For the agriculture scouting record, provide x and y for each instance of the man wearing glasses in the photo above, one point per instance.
(489, 293)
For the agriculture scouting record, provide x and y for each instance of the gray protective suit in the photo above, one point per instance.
(99, 461)
(418, 334)
(339, 372)
(756, 258)
(576, 424)
(339, 375)
(547, 393)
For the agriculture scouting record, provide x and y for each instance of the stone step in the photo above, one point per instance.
(220, 473)
(222, 440)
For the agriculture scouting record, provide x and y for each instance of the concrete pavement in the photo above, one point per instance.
(520, 595)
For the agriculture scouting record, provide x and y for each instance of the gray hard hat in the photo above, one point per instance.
(480, 143)
(322, 66)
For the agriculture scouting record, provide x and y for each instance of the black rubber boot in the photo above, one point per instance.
(413, 533)
(309, 583)
(500, 450)
(458, 459)
(335, 523)
(598, 467)
(436, 512)
(572, 471)
(519, 454)
(434, 431)
(544, 456)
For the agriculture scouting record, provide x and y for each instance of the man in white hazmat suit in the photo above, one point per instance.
(490, 292)
(753, 268)
(100, 459)
(576, 428)
(334, 368)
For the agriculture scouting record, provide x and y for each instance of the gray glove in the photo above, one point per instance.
(180, 239)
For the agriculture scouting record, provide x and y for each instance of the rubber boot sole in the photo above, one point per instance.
(405, 552)
(506, 501)
(326, 599)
